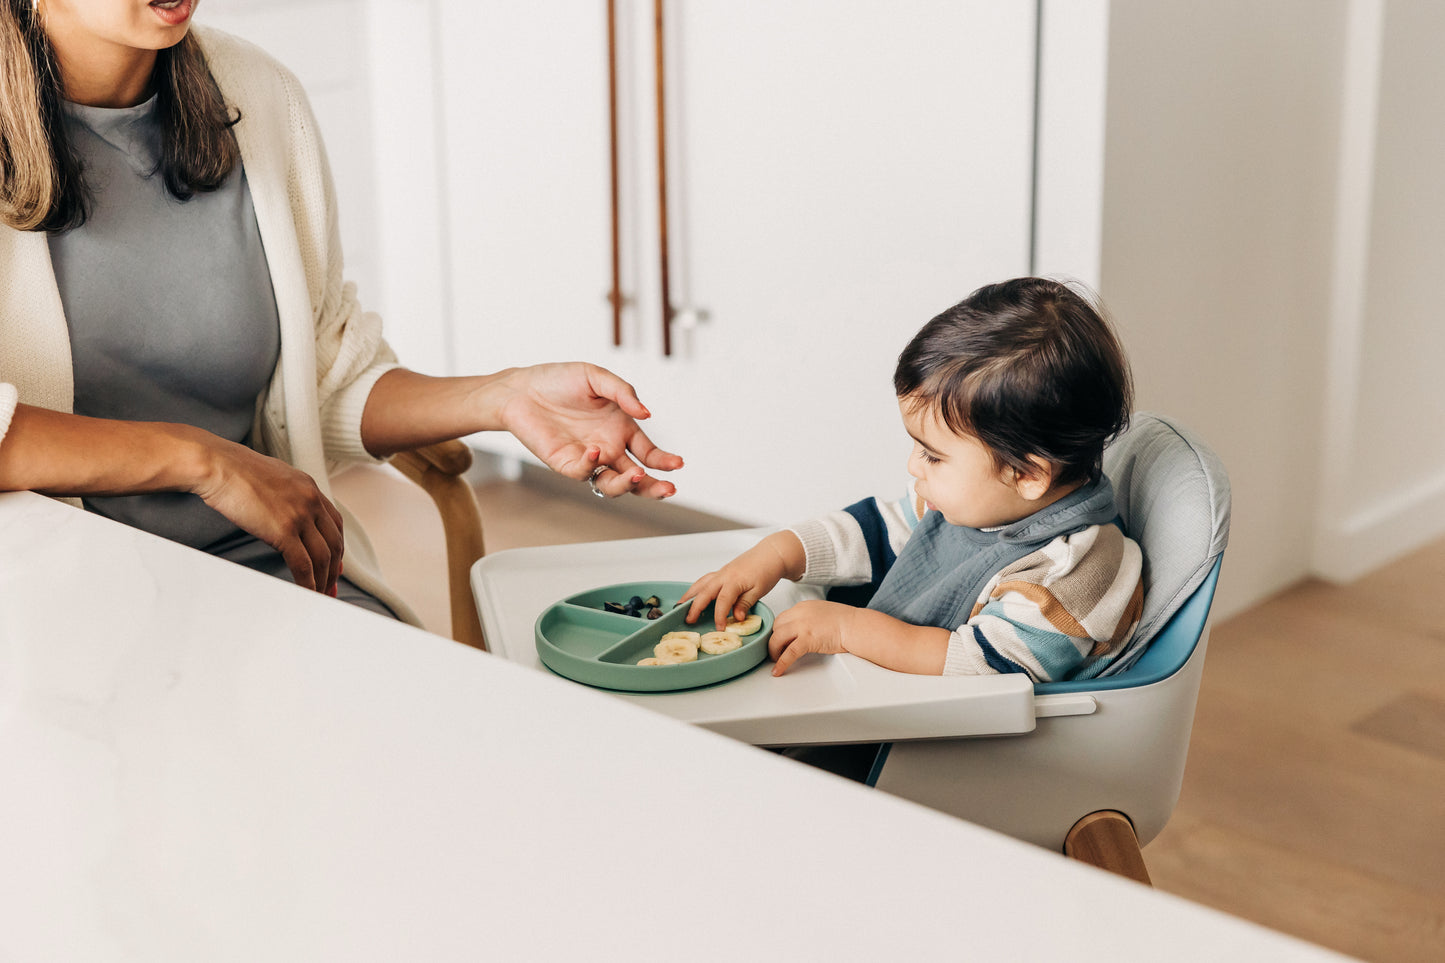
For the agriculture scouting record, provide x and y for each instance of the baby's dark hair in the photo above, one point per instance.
(1029, 368)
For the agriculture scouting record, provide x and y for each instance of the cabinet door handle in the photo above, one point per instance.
(658, 46)
(615, 296)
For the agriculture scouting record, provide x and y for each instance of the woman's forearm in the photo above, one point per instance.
(62, 454)
(406, 410)
(578, 419)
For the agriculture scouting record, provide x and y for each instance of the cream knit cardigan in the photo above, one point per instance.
(332, 352)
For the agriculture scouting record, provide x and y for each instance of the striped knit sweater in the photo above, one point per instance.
(1064, 611)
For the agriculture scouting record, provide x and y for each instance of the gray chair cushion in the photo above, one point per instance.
(1173, 495)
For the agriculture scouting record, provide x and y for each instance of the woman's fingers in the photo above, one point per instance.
(607, 385)
(613, 482)
(651, 455)
(577, 416)
(328, 524)
(630, 477)
(320, 555)
(654, 488)
(301, 562)
(283, 507)
(334, 514)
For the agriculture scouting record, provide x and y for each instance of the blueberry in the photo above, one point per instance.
(635, 602)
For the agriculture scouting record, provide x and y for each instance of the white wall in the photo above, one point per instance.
(323, 42)
(1384, 473)
(1219, 202)
(1069, 154)
(368, 68)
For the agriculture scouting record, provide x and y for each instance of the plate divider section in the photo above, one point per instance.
(667, 622)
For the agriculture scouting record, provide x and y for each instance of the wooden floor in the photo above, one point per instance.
(1314, 798)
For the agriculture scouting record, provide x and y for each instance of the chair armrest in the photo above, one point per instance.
(440, 469)
(448, 457)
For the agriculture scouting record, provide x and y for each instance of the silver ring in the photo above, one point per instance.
(592, 480)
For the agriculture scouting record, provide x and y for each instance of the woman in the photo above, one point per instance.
(177, 346)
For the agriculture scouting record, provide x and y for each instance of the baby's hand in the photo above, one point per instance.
(811, 626)
(738, 585)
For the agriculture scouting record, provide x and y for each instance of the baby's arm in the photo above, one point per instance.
(740, 583)
(1047, 615)
(830, 627)
(847, 547)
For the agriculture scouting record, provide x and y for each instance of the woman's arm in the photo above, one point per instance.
(574, 417)
(73, 455)
(60, 454)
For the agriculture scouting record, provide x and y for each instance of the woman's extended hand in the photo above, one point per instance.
(280, 505)
(577, 417)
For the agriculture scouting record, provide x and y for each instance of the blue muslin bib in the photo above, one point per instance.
(939, 574)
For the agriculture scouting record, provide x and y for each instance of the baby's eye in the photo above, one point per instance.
(927, 455)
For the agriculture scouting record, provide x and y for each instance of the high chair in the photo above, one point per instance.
(1092, 767)
(1101, 771)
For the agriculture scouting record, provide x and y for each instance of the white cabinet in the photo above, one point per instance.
(839, 171)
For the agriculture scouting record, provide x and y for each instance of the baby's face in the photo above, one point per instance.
(956, 474)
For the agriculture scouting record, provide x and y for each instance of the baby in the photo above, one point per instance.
(1006, 555)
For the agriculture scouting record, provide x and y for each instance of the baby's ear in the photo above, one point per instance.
(1036, 481)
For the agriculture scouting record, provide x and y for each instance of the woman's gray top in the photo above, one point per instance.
(171, 316)
(169, 305)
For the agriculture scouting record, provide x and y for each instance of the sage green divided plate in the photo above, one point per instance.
(578, 639)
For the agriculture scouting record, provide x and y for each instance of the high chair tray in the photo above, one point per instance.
(821, 699)
(580, 639)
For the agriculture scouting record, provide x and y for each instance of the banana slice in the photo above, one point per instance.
(716, 643)
(684, 636)
(676, 650)
(747, 626)
(655, 662)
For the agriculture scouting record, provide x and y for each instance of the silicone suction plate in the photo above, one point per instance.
(578, 639)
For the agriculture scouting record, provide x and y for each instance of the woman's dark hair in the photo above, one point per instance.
(1028, 367)
(42, 187)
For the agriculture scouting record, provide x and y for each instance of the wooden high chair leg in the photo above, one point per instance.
(439, 470)
(1106, 839)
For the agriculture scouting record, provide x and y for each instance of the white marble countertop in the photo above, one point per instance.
(202, 763)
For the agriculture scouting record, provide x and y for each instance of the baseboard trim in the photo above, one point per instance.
(1382, 533)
